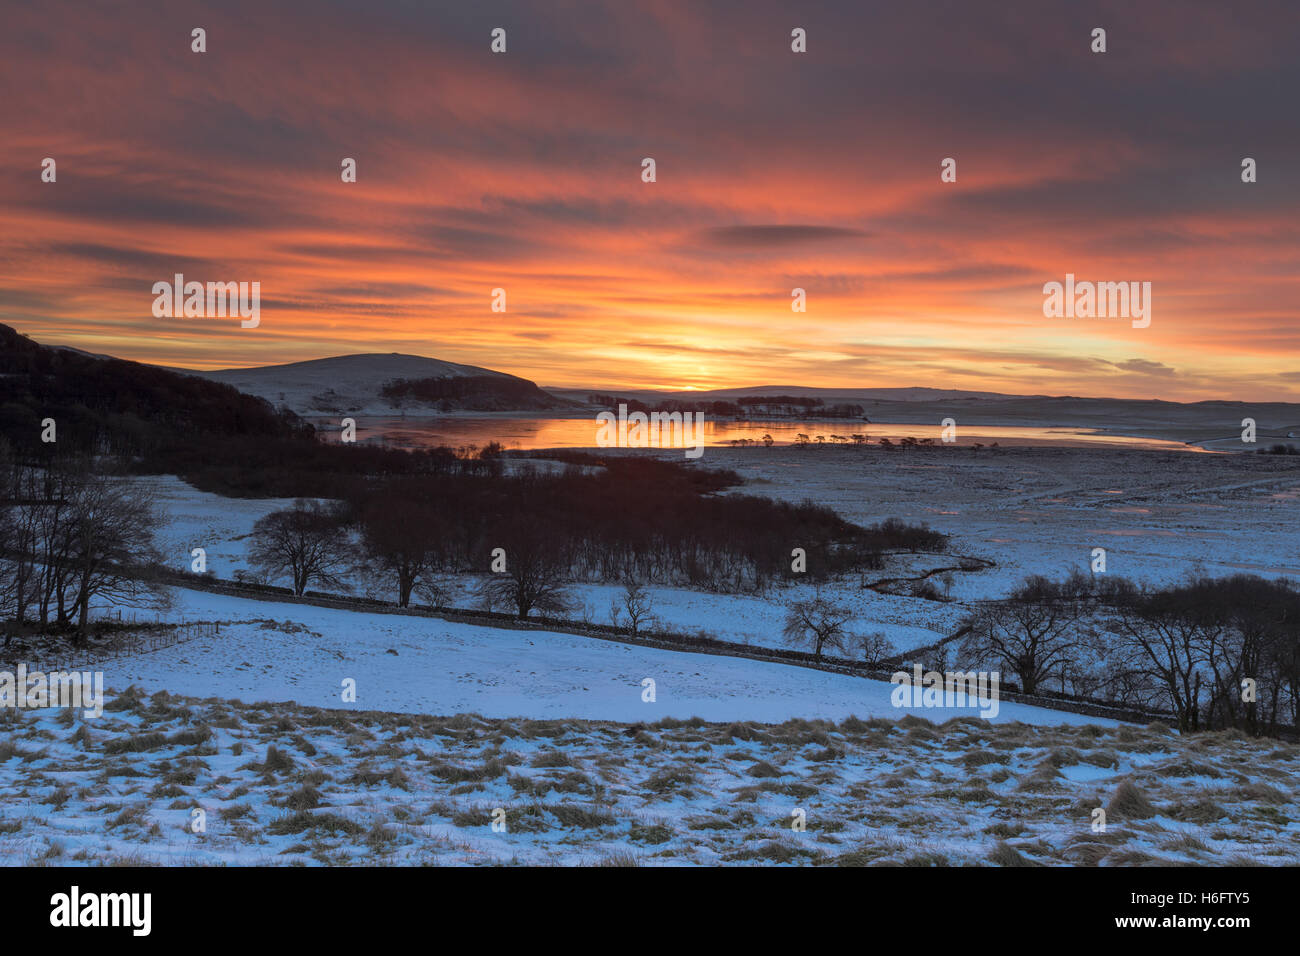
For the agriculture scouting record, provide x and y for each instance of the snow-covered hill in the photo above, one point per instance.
(346, 384)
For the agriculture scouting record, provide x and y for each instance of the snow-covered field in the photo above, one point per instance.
(183, 781)
(197, 519)
(1159, 515)
(288, 652)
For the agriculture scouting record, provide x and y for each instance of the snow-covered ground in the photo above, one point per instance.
(274, 651)
(183, 781)
(454, 722)
(198, 519)
(1159, 515)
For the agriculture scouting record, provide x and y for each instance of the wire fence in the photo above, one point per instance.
(150, 636)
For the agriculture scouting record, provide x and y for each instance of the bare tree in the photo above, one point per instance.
(22, 536)
(306, 542)
(72, 538)
(1032, 634)
(636, 603)
(817, 623)
(433, 591)
(534, 575)
(13, 554)
(1263, 623)
(54, 489)
(875, 647)
(402, 536)
(1282, 656)
(1168, 643)
(110, 529)
(1195, 644)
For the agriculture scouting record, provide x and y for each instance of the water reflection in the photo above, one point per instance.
(535, 432)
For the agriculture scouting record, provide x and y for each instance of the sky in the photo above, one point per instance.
(774, 170)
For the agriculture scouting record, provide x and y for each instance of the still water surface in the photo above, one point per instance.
(528, 433)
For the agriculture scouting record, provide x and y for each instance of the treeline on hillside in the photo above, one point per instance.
(110, 406)
(267, 468)
(484, 393)
(635, 519)
(1214, 652)
(160, 422)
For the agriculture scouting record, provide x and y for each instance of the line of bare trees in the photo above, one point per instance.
(70, 538)
(1214, 652)
(634, 520)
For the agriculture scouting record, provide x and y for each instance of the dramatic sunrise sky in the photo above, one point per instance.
(775, 170)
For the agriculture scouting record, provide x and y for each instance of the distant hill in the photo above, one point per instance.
(1213, 424)
(831, 395)
(386, 384)
(828, 396)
